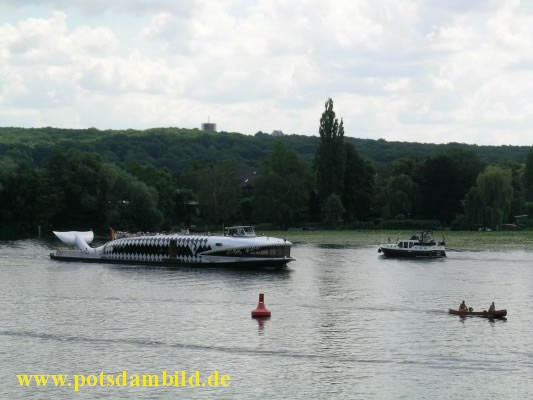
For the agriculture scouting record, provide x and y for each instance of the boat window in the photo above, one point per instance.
(242, 231)
(274, 251)
(411, 244)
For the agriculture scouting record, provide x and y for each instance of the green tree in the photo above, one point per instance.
(333, 209)
(162, 180)
(72, 178)
(528, 176)
(473, 208)
(444, 181)
(402, 175)
(518, 204)
(140, 204)
(489, 202)
(330, 161)
(399, 196)
(282, 188)
(219, 192)
(409, 166)
(86, 193)
(185, 206)
(358, 185)
(18, 194)
(496, 193)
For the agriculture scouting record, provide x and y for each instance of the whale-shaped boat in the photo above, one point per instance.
(238, 247)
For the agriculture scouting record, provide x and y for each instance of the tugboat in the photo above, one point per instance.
(240, 247)
(420, 245)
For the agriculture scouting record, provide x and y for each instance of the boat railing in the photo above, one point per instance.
(125, 234)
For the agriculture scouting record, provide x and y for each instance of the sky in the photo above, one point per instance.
(420, 71)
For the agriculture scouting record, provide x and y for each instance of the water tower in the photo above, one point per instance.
(209, 126)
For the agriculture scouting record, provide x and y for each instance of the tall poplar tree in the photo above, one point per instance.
(330, 160)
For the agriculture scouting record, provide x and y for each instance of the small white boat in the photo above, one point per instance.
(420, 245)
(238, 247)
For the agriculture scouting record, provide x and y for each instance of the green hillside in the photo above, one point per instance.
(176, 148)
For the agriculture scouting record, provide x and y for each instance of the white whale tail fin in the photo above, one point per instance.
(79, 239)
(82, 244)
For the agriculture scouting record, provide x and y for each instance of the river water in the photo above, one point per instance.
(346, 324)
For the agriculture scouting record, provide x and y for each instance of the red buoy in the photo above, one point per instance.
(261, 311)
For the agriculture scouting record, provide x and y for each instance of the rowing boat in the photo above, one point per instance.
(484, 314)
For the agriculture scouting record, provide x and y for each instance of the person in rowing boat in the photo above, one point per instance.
(463, 307)
(492, 308)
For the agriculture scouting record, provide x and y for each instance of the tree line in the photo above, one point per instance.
(76, 188)
(177, 148)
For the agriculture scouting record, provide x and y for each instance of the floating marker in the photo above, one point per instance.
(261, 311)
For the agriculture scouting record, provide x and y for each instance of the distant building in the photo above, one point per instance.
(277, 133)
(209, 127)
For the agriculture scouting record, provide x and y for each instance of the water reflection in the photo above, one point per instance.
(208, 275)
(261, 322)
(335, 246)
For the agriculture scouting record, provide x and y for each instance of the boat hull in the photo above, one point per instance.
(411, 253)
(483, 314)
(264, 264)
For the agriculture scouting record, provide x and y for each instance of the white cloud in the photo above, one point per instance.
(420, 71)
(97, 7)
(397, 85)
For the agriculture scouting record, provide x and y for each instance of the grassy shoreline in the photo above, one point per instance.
(456, 240)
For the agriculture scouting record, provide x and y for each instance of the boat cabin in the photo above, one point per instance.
(406, 244)
(424, 237)
(240, 231)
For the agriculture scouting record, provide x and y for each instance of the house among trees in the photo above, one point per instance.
(521, 220)
(247, 179)
(277, 133)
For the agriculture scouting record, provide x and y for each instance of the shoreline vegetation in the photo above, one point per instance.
(517, 240)
(168, 179)
(455, 240)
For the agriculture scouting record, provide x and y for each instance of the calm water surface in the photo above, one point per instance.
(346, 324)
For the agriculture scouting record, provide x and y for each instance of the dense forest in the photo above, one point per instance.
(176, 148)
(168, 178)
